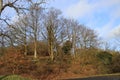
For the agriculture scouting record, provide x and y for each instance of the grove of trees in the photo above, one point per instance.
(45, 32)
(38, 25)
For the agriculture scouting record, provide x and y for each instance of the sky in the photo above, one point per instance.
(100, 15)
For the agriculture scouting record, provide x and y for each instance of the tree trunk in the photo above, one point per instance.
(50, 42)
(1, 5)
(51, 53)
(25, 42)
(25, 47)
(74, 43)
(50, 48)
(35, 48)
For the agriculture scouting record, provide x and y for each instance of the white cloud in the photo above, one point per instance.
(104, 31)
(115, 33)
(115, 14)
(85, 8)
(79, 9)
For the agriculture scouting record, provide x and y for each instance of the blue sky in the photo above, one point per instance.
(101, 15)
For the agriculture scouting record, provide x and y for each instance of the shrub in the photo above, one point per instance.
(115, 66)
(105, 60)
(15, 63)
(87, 56)
(41, 51)
(46, 71)
(67, 47)
(105, 57)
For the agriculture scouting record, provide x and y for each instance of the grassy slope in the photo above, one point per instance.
(13, 77)
(102, 75)
(16, 77)
(115, 74)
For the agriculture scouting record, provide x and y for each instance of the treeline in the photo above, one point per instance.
(42, 41)
(38, 27)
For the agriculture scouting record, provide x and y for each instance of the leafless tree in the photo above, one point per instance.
(35, 20)
(53, 30)
(71, 32)
(7, 3)
(20, 31)
(5, 39)
(86, 37)
(17, 5)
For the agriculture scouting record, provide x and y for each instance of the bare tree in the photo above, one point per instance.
(53, 27)
(18, 5)
(20, 30)
(5, 38)
(80, 35)
(86, 38)
(71, 33)
(10, 3)
(35, 20)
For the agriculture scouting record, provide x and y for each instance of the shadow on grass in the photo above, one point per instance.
(2, 77)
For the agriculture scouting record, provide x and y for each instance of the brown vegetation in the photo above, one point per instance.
(44, 45)
(85, 64)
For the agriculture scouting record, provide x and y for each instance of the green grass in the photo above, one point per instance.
(115, 75)
(112, 75)
(13, 77)
(1, 77)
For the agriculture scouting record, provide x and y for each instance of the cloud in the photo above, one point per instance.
(61, 4)
(79, 9)
(115, 13)
(101, 15)
(115, 33)
(104, 31)
(87, 8)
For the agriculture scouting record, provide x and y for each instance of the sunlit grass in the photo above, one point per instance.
(110, 75)
(13, 77)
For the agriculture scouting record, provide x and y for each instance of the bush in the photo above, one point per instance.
(41, 51)
(105, 57)
(15, 63)
(45, 71)
(87, 56)
(115, 66)
(67, 46)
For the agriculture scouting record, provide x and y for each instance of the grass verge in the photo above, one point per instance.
(13, 77)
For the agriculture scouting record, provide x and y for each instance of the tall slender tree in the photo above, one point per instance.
(53, 27)
(35, 20)
(20, 29)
